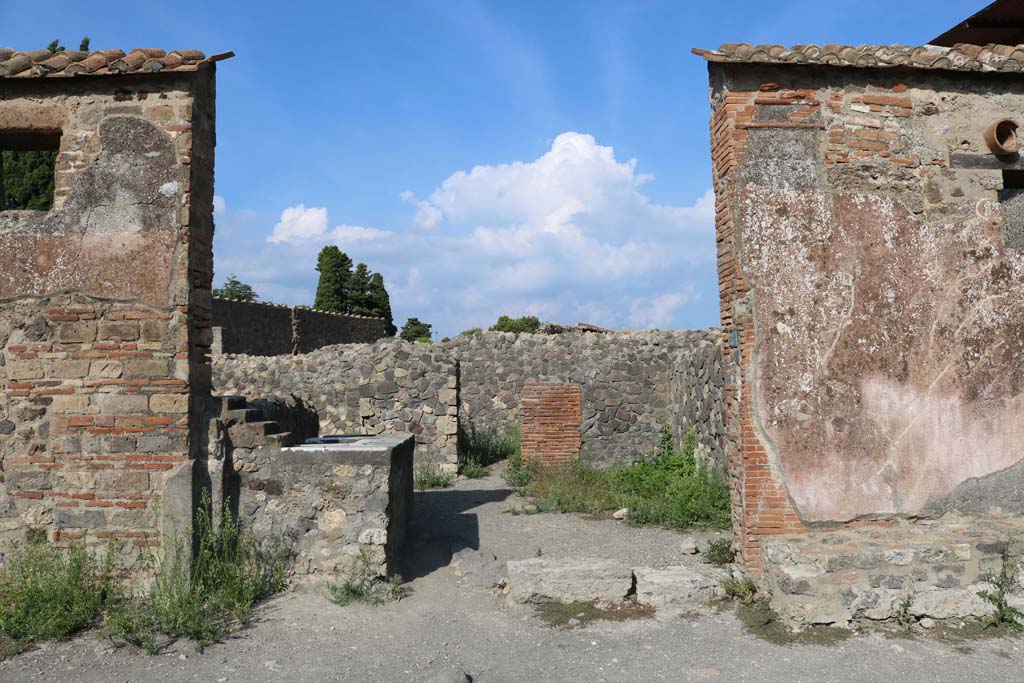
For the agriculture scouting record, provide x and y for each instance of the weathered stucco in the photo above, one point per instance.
(884, 293)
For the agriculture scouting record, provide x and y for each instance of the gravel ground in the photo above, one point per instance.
(454, 622)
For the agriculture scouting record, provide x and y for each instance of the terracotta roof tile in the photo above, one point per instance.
(43, 63)
(960, 57)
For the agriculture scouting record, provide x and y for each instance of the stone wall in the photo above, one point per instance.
(872, 303)
(930, 569)
(251, 327)
(105, 308)
(387, 387)
(633, 383)
(263, 329)
(333, 506)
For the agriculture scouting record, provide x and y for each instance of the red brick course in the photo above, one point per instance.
(760, 503)
(552, 416)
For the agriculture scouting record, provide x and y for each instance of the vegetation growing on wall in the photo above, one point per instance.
(527, 323)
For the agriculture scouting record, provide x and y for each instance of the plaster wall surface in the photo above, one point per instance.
(872, 295)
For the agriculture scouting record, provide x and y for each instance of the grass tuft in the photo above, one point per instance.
(362, 585)
(484, 446)
(430, 476)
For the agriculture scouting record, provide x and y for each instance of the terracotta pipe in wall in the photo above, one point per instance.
(1001, 137)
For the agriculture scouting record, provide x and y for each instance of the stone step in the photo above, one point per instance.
(282, 440)
(252, 434)
(223, 404)
(246, 415)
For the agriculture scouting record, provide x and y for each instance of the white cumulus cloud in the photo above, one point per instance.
(299, 224)
(348, 234)
(568, 236)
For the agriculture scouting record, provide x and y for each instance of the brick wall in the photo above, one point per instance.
(105, 311)
(847, 305)
(759, 504)
(551, 414)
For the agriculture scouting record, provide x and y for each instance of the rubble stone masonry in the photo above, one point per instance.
(632, 383)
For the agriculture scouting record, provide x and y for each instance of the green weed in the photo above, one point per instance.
(1005, 580)
(205, 594)
(742, 590)
(363, 585)
(47, 593)
(667, 489)
(720, 552)
(430, 476)
(483, 446)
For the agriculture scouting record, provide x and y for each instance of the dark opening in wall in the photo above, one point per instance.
(27, 169)
(1012, 199)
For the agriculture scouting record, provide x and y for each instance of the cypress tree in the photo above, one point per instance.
(335, 269)
(360, 302)
(381, 303)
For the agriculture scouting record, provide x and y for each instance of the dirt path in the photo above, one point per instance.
(453, 622)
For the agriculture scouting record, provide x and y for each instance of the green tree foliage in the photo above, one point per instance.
(26, 180)
(414, 330)
(235, 289)
(359, 299)
(84, 45)
(382, 303)
(528, 323)
(335, 268)
(26, 176)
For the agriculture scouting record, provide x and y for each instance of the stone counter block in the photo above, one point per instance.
(333, 506)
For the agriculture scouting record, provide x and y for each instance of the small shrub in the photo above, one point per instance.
(430, 476)
(742, 590)
(48, 593)
(362, 585)
(518, 474)
(472, 330)
(527, 324)
(720, 552)
(1003, 581)
(474, 470)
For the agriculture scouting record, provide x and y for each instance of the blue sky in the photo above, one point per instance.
(515, 157)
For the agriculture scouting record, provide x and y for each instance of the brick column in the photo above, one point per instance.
(552, 414)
